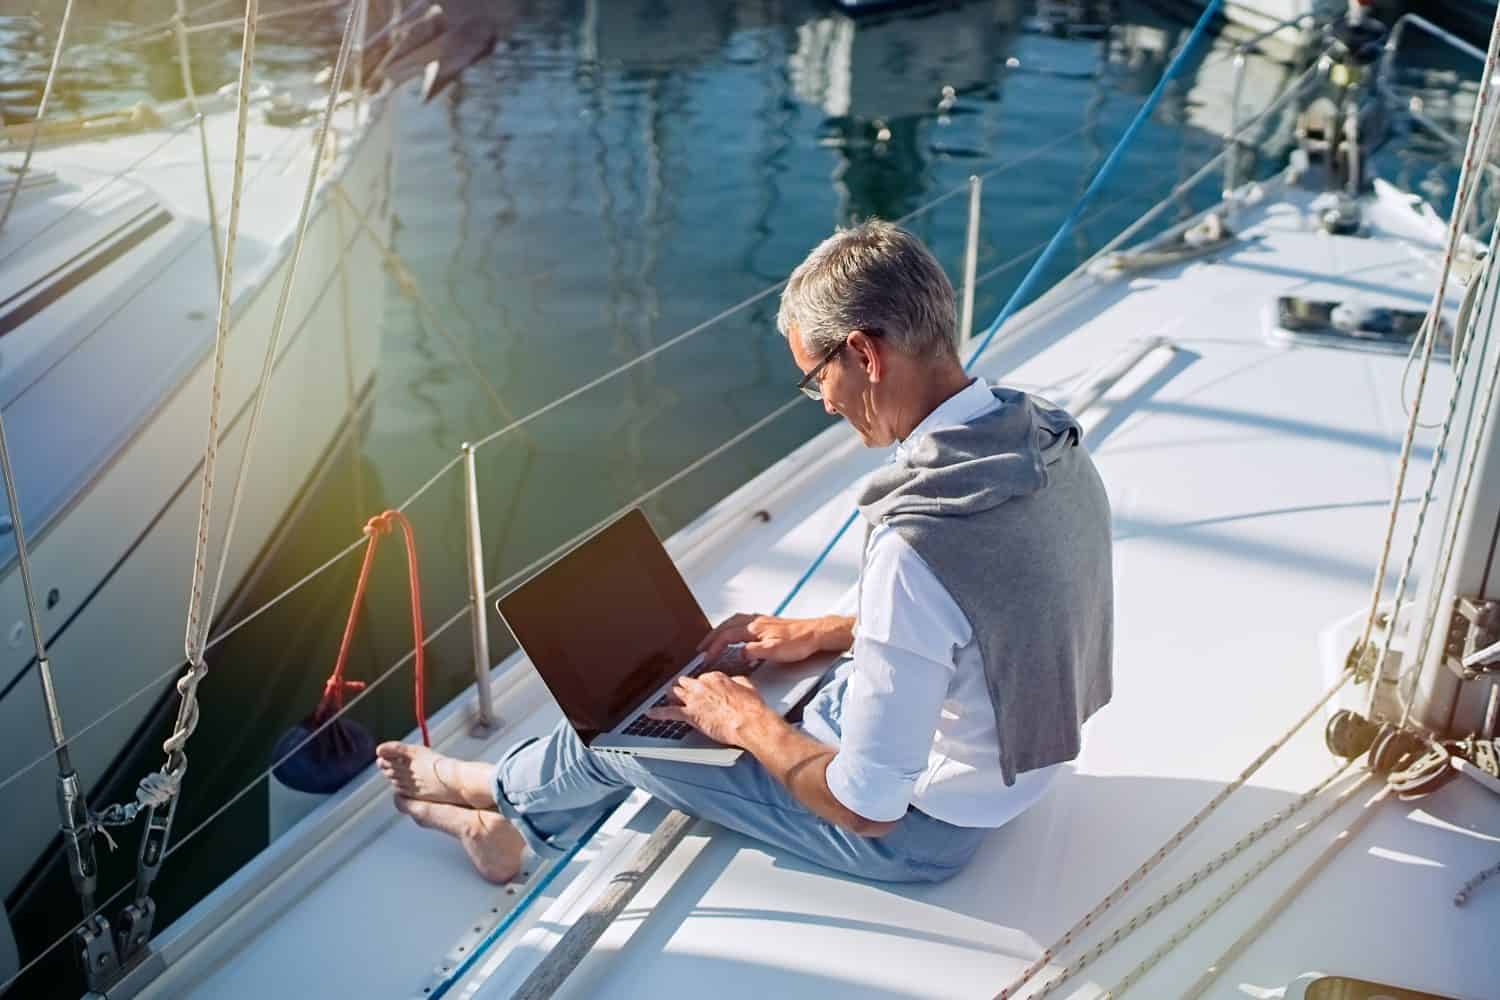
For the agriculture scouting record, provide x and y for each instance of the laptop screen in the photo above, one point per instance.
(607, 623)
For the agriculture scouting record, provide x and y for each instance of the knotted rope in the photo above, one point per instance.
(334, 688)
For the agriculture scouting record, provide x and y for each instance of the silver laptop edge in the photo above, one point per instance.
(782, 686)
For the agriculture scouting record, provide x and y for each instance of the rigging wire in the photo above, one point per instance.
(159, 788)
(1457, 223)
(320, 150)
(1473, 438)
(1460, 373)
(1205, 871)
(1468, 458)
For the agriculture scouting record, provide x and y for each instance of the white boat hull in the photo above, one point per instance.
(118, 552)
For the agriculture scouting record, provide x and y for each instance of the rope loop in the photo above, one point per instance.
(332, 701)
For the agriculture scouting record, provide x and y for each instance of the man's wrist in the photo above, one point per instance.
(758, 728)
(835, 633)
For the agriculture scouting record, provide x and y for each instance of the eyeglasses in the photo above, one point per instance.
(811, 384)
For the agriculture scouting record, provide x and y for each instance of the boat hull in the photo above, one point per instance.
(118, 554)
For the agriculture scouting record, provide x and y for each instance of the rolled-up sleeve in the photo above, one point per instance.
(909, 630)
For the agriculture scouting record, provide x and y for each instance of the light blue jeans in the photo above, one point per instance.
(548, 787)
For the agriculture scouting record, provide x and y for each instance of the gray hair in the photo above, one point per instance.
(876, 276)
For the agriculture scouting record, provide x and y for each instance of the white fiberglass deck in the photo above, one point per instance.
(1249, 485)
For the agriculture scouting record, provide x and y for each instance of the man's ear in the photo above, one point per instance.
(869, 355)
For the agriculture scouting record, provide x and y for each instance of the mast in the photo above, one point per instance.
(1454, 689)
(1450, 684)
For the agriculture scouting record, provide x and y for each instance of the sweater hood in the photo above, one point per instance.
(965, 469)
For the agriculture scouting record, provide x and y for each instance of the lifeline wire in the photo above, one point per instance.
(1034, 274)
(464, 610)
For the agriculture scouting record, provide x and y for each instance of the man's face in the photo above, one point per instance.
(844, 384)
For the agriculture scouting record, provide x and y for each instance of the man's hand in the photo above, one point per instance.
(718, 706)
(780, 640)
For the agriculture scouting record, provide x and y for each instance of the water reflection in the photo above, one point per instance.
(878, 81)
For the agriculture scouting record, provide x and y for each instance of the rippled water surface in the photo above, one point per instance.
(616, 173)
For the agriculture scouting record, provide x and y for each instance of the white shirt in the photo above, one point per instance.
(917, 725)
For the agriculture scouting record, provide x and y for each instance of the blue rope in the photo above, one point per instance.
(515, 913)
(1032, 277)
(813, 568)
(1097, 184)
(1040, 265)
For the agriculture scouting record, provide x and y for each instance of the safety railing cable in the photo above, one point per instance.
(147, 33)
(244, 790)
(1033, 276)
(156, 682)
(431, 636)
(641, 498)
(724, 314)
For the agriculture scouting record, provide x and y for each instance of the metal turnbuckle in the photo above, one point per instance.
(1472, 647)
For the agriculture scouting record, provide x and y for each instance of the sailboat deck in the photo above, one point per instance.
(1249, 484)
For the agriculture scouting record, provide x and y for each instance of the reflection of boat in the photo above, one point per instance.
(107, 276)
(1251, 483)
(642, 34)
(878, 79)
(897, 68)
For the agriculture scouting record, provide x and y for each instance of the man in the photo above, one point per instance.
(983, 633)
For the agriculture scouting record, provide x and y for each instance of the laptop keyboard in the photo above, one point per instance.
(658, 729)
(663, 729)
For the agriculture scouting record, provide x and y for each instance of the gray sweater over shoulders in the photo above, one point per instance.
(1011, 516)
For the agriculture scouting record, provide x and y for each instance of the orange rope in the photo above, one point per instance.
(333, 689)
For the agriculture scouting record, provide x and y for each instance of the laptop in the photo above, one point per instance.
(611, 625)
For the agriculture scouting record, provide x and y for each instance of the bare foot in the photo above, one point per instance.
(492, 844)
(416, 772)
